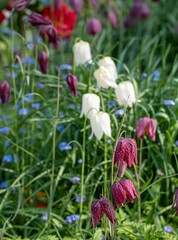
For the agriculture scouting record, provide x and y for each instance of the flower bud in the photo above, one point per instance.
(53, 38)
(19, 5)
(94, 26)
(72, 84)
(4, 91)
(43, 59)
(82, 52)
(37, 19)
(112, 18)
(77, 5)
(58, 4)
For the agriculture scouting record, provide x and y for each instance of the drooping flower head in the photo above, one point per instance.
(94, 26)
(77, 5)
(19, 5)
(90, 104)
(53, 37)
(2, 17)
(146, 126)
(4, 91)
(99, 207)
(82, 52)
(122, 190)
(175, 201)
(112, 18)
(37, 19)
(72, 84)
(58, 4)
(43, 59)
(63, 19)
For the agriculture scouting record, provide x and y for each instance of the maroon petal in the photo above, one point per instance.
(175, 201)
(122, 169)
(151, 129)
(108, 209)
(97, 212)
(128, 188)
(132, 187)
(37, 19)
(72, 84)
(4, 91)
(118, 193)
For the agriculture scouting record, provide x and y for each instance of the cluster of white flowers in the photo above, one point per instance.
(106, 76)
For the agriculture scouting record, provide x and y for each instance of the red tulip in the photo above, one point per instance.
(94, 26)
(146, 126)
(122, 190)
(4, 91)
(72, 84)
(99, 207)
(43, 59)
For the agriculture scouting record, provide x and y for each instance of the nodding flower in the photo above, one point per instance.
(4, 91)
(175, 201)
(37, 19)
(19, 5)
(72, 84)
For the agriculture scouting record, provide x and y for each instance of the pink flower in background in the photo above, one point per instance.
(19, 5)
(77, 5)
(122, 190)
(99, 207)
(4, 91)
(43, 59)
(72, 84)
(94, 26)
(112, 18)
(146, 126)
(175, 201)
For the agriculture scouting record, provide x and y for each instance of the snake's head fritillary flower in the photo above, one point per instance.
(99, 207)
(43, 59)
(58, 4)
(53, 37)
(90, 104)
(19, 5)
(37, 19)
(112, 18)
(175, 201)
(77, 5)
(4, 91)
(139, 10)
(72, 84)
(94, 26)
(146, 126)
(122, 190)
(82, 52)
(167, 229)
(126, 151)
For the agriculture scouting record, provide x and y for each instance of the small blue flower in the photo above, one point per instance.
(75, 180)
(112, 104)
(66, 67)
(39, 127)
(36, 105)
(167, 229)
(60, 128)
(72, 218)
(103, 237)
(169, 103)
(176, 143)
(80, 161)
(28, 61)
(4, 130)
(71, 106)
(144, 74)
(43, 217)
(64, 146)
(28, 98)
(22, 111)
(78, 198)
(156, 75)
(7, 143)
(40, 85)
(119, 112)
(79, 108)
(7, 158)
(10, 75)
(3, 185)
(109, 141)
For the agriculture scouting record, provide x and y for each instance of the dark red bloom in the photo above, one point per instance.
(10, 5)
(2, 17)
(99, 207)
(94, 26)
(112, 18)
(175, 201)
(146, 126)
(4, 91)
(72, 84)
(126, 151)
(77, 5)
(37, 19)
(122, 190)
(53, 38)
(63, 20)
(19, 5)
(43, 59)
(58, 4)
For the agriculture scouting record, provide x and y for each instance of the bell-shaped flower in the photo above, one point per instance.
(82, 52)
(175, 201)
(100, 123)
(77, 5)
(126, 151)
(37, 19)
(109, 64)
(19, 5)
(94, 26)
(53, 37)
(125, 94)
(43, 59)
(90, 104)
(58, 4)
(146, 126)
(99, 207)
(112, 18)
(4, 91)
(122, 190)
(72, 84)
